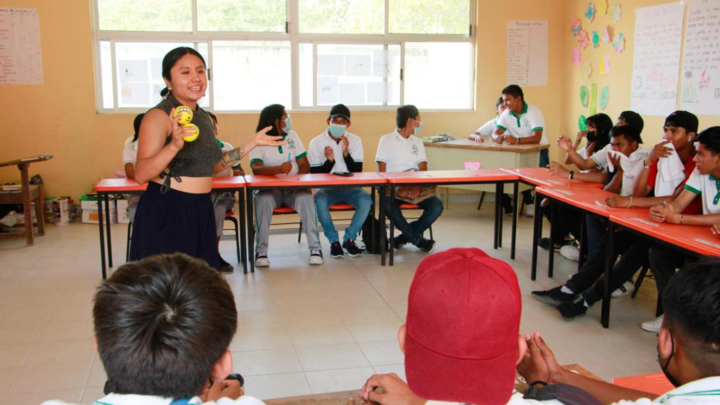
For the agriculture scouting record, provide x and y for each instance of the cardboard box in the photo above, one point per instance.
(62, 214)
(92, 216)
(91, 202)
(122, 212)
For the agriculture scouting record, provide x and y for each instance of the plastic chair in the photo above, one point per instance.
(230, 216)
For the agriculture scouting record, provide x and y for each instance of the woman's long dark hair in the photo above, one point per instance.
(603, 124)
(269, 116)
(136, 125)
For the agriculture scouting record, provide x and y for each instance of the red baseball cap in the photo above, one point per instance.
(463, 321)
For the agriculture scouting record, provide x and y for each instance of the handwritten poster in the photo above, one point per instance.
(527, 52)
(656, 60)
(20, 51)
(701, 63)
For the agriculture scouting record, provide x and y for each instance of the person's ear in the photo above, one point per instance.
(328, 121)
(347, 124)
(95, 344)
(522, 348)
(223, 367)
(402, 333)
(664, 343)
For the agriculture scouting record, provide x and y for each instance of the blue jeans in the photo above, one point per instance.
(412, 232)
(356, 197)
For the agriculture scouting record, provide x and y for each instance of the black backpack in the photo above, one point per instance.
(372, 245)
(567, 394)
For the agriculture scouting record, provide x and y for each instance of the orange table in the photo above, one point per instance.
(305, 181)
(104, 188)
(445, 177)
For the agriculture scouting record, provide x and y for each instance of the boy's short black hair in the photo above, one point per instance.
(499, 102)
(513, 90)
(692, 303)
(628, 131)
(403, 113)
(710, 139)
(161, 324)
(633, 119)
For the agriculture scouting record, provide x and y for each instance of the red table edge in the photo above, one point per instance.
(628, 220)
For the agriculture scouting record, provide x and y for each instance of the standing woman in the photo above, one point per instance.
(176, 213)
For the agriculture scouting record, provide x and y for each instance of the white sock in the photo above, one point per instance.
(566, 290)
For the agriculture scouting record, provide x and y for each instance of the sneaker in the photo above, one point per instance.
(336, 251)
(627, 288)
(316, 257)
(553, 296)
(426, 245)
(261, 260)
(573, 309)
(225, 267)
(352, 249)
(529, 210)
(545, 244)
(399, 241)
(507, 204)
(570, 252)
(654, 325)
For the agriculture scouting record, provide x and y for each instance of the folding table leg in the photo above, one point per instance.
(609, 260)
(381, 219)
(108, 227)
(243, 230)
(102, 237)
(392, 225)
(537, 233)
(514, 222)
(250, 229)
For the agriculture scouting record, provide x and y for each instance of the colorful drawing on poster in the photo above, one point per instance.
(584, 95)
(607, 34)
(587, 70)
(575, 26)
(583, 39)
(619, 43)
(601, 69)
(575, 57)
(581, 123)
(602, 8)
(595, 39)
(616, 12)
(604, 98)
(593, 99)
(606, 66)
(590, 13)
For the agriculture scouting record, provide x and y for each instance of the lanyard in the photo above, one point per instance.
(710, 393)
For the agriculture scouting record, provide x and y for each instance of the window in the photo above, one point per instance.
(304, 54)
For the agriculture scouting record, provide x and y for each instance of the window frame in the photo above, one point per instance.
(292, 35)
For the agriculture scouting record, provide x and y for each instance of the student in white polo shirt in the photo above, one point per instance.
(279, 160)
(521, 124)
(403, 151)
(338, 151)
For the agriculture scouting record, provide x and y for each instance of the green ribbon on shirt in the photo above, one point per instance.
(717, 186)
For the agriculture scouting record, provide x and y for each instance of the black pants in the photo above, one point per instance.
(635, 257)
(663, 263)
(567, 221)
(174, 222)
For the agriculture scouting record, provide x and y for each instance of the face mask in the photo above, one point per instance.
(664, 367)
(418, 129)
(337, 130)
(288, 125)
(591, 136)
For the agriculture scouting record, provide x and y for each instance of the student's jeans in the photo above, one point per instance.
(635, 257)
(413, 231)
(357, 197)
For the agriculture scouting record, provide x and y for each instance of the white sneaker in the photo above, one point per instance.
(627, 288)
(529, 210)
(316, 257)
(570, 252)
(262, 261)
(654, 325)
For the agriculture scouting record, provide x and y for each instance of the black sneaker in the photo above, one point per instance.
(573, 309)
(545, 244)
(399, 241)
(352, 249)
(225, 267)
(336, 251)
(553, 296)
(426, 245)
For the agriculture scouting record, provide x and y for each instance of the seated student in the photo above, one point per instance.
(163, 326)
(461, 339)
(702, 183)
(521, 123)
(270, 161)
(687, 346)
(489, 127)
(129, 160)
(626, 154)
(223, 201)
(339, 151)
(680, 129)
(403, 151)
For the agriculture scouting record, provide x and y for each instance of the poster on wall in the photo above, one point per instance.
(20, 51)
(527, 52)
(656, 59)
(701, 62)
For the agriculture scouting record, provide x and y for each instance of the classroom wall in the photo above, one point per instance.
(59, 118)
(620, 78)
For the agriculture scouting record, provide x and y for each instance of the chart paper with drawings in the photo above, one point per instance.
(701, 63)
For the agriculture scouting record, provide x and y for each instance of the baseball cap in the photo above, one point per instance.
(463, 321)
(340, 110)
(634, 120)
(683, 119)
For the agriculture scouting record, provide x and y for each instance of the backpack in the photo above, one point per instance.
(567, 394)
(372, 246)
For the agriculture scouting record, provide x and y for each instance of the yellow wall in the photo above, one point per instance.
(59, 117)
(620, 78)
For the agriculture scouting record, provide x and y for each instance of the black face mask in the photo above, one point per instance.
(591, 136)
(664, 367)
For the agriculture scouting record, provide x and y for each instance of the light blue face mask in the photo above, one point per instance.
(337, 130)
(418, 129)
(288, 125)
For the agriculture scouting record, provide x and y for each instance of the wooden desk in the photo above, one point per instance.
(27, 196)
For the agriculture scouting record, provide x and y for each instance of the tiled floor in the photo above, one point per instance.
(302, 329)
